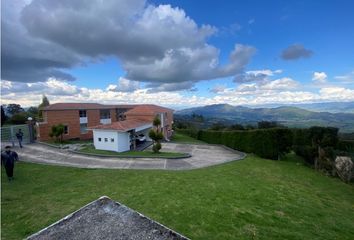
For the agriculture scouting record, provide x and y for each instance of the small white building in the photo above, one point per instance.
(121, 136)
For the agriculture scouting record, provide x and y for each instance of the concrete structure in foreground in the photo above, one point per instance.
(106, 219)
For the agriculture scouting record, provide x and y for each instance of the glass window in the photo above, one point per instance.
(105, 114)
(66, 129)
(99, 139)
(83, 128)
(82, 113)
(112, 139)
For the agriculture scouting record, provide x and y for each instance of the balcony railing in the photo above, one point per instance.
(83, 120)
(105, 121)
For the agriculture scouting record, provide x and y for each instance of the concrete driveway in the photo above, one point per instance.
(203, 155)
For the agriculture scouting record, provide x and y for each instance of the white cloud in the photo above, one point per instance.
(319, 77)
(337, 93)
(348, 78)
(255, 75)
(160, 45)
(219, 88)
(280, 84)
(282, 90)
(124, 85)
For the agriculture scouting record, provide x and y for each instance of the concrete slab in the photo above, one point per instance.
(106, 219)
(202, 155)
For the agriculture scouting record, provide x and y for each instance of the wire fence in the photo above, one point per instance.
(8, 134)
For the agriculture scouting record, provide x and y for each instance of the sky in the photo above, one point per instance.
(177, 53)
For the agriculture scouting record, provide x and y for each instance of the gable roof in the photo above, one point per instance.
(123, 126)
(147, 109)
(85, 106)
(107, 219)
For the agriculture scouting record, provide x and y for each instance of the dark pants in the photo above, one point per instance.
(9, 170)
(20, 142)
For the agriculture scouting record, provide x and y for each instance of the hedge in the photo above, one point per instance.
(346, 145)
(266, 143)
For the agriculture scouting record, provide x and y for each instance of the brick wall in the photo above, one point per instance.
(71, 119)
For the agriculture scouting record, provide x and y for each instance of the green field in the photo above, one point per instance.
(249, 199)
(181, 138)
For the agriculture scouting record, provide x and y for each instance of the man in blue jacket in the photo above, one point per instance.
(8, 159)
(19, 136)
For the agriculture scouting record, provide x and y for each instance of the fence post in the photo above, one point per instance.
(12, 136)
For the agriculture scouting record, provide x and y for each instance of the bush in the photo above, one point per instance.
(308, 153)
(266, 143)
(191, 132)
(156, 148)
(346, 145)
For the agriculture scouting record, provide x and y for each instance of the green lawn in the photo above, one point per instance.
(69, 142)
(181, 138)
(249, 199)
(147, 153)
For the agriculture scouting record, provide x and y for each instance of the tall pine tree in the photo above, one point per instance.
(45, 103)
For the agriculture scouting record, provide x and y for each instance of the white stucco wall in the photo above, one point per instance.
(121, 141)
(105, 134)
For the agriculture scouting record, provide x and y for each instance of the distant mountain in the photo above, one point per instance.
(286, 115)
(332, 107)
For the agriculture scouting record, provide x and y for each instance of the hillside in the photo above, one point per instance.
(249, 199)
(287, 115)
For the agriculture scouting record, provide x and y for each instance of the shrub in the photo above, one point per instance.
(57, 132)
(308, 153)
(156, 135)
(345, 145)
(156, 148)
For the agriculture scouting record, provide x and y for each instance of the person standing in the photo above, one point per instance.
(19, 136)
(8, 159)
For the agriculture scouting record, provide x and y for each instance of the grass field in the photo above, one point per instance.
(181, 138)
(249, 199)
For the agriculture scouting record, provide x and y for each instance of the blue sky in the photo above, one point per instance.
(178, 52)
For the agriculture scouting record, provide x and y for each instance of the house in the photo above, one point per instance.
(112, 127)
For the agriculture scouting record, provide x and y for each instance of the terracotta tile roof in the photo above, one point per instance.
(78, 106)
(147, 109)
(123, 126)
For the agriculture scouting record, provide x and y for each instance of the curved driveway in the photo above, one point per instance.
(203, 155)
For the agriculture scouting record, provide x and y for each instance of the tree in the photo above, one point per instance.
(57, 131)
(14, 108)
(156, 135)
(217, 126)
(236, 127)
(268, 124)
(33, 112)
(3, 116)
(19, 118)
(324, 139)
(44, 103)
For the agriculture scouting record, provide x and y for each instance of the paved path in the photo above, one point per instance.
(203, 155)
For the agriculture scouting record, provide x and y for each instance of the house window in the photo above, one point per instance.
(99, 139)
(106, 139)
(82, 113)
(112, 139)
(105, 114)
(83, 128)
(66, 129)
